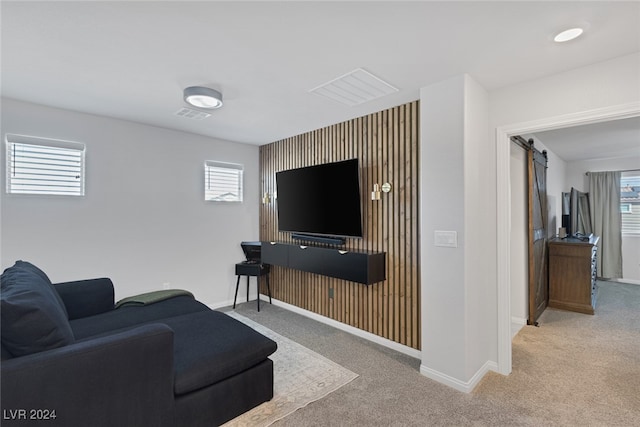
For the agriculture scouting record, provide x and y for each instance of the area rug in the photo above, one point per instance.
(301, 376)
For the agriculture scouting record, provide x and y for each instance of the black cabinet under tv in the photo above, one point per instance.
(357, 266)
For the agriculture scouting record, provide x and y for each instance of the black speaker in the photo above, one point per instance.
(566, 223)
(327, 240)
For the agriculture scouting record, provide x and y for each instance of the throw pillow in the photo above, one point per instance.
(28, 266)
(30, 315)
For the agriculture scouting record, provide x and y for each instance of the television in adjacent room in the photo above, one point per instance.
(321, 200)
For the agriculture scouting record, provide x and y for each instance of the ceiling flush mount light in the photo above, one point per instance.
(203, 97)
(567, 35)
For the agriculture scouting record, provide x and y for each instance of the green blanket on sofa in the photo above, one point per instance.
(152, 297)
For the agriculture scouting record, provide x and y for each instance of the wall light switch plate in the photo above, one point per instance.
(446, 239)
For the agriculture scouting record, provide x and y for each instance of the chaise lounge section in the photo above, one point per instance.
(71, 357)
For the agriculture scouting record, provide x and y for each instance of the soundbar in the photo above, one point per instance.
(327, 240)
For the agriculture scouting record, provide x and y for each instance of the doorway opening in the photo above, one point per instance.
(503, 143)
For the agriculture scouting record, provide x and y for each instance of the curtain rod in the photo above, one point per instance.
(626, 170)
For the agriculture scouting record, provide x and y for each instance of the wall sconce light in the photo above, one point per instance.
(375, 194)
(266, 199)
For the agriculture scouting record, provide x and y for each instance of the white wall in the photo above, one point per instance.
(600, 85)
(143, 221)
(480, 229)
(519, 272)
(456, 282)
(442, 208)
(631, 258)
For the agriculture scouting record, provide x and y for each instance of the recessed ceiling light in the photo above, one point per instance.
(567, 35)
(203, 97)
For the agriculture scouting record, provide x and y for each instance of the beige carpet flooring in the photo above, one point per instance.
(572, 370)
(300, 376)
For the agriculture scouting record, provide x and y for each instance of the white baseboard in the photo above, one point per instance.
(347, 328)
(463, 386)
(628, 281)
(220, 304)
(517, 323)
(229, 302)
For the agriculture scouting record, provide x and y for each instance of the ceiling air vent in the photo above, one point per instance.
(192, 114)
(355, 88)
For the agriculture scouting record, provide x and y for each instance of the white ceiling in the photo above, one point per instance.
(131, 60)
(607, 140)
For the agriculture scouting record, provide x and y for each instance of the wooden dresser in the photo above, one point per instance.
(572, 274)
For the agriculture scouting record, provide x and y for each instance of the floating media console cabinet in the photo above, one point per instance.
(361, 267)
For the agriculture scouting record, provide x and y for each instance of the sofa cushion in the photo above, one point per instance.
(88, 297)
(4, 353)
(211, 346)
(30, 267)
(32, 319)
(129, 316)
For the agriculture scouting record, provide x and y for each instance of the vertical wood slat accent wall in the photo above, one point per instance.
(386, 143)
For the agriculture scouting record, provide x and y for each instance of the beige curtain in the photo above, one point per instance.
(606, 220)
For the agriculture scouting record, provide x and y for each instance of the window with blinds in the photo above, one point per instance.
(222, 181)
(44, 166)
(630, 202)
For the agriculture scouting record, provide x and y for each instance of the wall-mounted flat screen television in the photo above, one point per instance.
(320, 200)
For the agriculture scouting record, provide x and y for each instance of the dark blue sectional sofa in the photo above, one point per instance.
(71, 359)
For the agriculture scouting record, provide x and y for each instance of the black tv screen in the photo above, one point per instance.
(320, 200)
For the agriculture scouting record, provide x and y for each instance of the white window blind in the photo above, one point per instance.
(630, 202)
(44, 166)
(222, 181)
